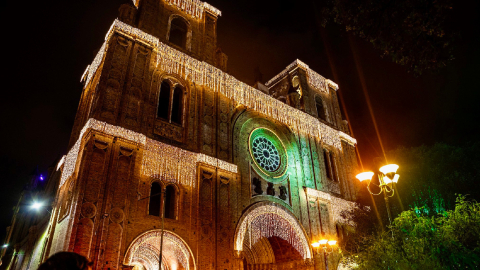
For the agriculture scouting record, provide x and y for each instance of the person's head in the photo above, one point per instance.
(66, 261)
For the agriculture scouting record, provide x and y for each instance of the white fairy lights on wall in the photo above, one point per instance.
(194, 8)
(175, 164)
(159, 160)
(337, 205)
(270, 220)
(145, 250)
(174, 61)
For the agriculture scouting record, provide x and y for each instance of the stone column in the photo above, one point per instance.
(319, 261)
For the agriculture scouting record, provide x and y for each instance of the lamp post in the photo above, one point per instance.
(162, 193)
(327, 246)
(161, 233)
(387, 177)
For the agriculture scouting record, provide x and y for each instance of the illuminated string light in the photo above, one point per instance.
(270, 220)
(173, 61)
(160, 160)
(145, 250)
(194, 8)
(337, 205)
(61, 162)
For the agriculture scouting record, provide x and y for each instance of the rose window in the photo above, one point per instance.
(265, 154)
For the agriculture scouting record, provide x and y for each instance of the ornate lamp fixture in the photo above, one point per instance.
(387, 177)
(327, 246)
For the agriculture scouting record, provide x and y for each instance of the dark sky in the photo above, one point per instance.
(47, 45)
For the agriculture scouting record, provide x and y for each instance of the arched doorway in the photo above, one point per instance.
(269, 237)
(143, 253)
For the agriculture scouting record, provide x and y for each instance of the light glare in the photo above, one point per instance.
(332, 242)
(390, 168)
(323, 241)
(387, 180)
(365, 176)
(37, 205)
(316, 244)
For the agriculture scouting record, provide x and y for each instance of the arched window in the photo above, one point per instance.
(329, 162)
(320, 108)
(170, 103)
(177, 105)
(155, 199)
(178, 32)
(170, 202)
(164, 100)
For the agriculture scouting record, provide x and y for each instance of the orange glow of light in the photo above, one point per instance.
(356, 59)
(364, 176)
(332, 242)
(390, 168)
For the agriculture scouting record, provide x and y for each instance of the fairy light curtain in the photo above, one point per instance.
(174, 61)
(194, 8)
(159, 159)
(336, 205)
(146, 248)
(270, 220)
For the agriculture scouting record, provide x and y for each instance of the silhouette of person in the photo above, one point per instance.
(66, 261)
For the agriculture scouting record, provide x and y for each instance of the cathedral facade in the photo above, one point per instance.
(165, 140)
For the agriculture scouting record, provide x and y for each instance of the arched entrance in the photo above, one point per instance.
(269, 237)
(144, 252)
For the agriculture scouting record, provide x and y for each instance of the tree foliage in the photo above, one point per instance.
(430, 176)
(412, 33)
(450, 240)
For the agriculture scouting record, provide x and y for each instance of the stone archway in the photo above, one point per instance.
(143, 252)
(270, 237)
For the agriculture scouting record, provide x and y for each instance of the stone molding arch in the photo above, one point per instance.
(144, 250)
(298, 240)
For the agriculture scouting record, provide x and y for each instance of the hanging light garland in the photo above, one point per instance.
(173, 61)
(160, 160)
(337, 205)
(270, 220)
(146, 249)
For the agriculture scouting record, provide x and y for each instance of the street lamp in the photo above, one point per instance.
(327, 246)
(387, 177)
(36, 205)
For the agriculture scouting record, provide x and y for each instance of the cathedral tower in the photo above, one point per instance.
(242, 178)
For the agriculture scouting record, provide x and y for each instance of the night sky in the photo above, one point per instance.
(47, 45)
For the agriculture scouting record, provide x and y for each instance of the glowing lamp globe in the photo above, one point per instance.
(323, 241)
(364, 176)
(332, 242)
(395, 178)
(390, 168)
(316, 244)
(37, 205)
(387, 180)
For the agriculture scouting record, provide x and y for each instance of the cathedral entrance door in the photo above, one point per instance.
(144, 251)
(268, 236)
